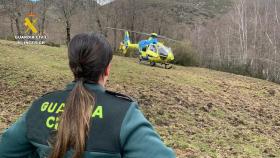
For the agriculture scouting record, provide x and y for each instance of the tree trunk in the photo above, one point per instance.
(68, 31)
(42, 29)
(99, 24)
(115, 40)
(12, 27)
(18, 26)
(98, 21)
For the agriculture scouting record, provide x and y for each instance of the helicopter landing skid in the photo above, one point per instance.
(167, 65)
(143, 59)
(146, 60)
(152, 63)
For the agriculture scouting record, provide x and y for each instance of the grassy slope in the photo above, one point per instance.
(199, 112)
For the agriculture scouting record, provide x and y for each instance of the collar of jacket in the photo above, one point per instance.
(91, 86)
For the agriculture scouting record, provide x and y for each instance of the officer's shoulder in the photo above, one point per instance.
(120, 96)
(54, 92)
(49, 95)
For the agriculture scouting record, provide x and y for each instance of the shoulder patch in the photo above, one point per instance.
(122, 96)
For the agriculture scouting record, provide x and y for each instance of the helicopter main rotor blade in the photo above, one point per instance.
(170, 39)
(143, 33)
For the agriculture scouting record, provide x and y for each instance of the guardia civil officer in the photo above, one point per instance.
(84, 120)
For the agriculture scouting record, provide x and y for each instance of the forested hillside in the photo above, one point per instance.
(246, 40)
(161, 16)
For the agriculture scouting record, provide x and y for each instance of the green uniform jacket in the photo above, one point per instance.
(118, 129)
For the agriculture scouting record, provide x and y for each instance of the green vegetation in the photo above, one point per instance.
(184, 54)
(199, 112)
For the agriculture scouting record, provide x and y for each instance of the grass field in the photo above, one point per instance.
(199, 112)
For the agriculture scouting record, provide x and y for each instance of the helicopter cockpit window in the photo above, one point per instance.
(153, 48)
(163, 51)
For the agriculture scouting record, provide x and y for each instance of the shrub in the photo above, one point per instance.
(52, 44)
(9, 38)
(184, 54)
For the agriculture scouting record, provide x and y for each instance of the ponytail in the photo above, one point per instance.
(74, 122)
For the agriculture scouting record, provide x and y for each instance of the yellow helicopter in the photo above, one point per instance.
(150, 50)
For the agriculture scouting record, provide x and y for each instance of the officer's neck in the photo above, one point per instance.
(102, 81)
(103, 78)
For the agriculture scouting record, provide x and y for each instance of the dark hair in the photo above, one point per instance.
(89, 55)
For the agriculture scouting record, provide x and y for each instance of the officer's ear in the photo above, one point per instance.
(104, 77)
(107, 70)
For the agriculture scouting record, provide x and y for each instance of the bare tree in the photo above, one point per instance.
(43, 8)
(67, 8)
(14, 10)
(246, 39)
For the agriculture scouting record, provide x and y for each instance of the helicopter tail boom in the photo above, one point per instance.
(127, 41)
(126, 38)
